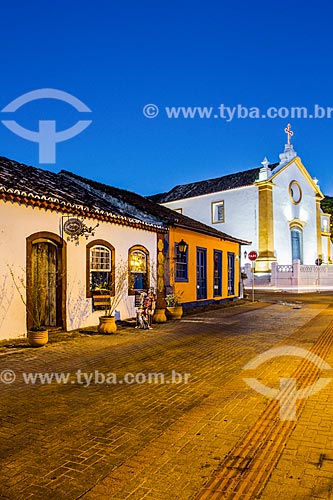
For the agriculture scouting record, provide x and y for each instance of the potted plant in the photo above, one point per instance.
(38, 334)
(174, 307)
(114, 294)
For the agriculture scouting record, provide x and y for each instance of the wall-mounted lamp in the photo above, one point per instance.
(182, 246)
(245, 254)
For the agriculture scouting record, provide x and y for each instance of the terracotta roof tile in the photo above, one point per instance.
(169, 217)
(66, 188)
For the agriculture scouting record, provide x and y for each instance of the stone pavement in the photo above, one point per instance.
(212, 437)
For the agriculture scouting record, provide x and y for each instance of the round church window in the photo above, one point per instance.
(295, 192)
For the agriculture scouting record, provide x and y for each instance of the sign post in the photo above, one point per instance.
(318, 263)
(253, 257)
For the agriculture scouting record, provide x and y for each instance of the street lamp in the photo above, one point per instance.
(182, 247)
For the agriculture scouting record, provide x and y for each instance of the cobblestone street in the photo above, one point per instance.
(213, 437)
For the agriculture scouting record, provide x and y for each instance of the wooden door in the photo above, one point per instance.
(46, 282)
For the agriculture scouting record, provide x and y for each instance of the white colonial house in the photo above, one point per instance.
(276, 207)
(64, 238)
(40, 214)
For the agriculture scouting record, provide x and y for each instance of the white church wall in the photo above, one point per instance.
(241, 214)
(240, 211)
(16, 224)
(301, 277)
(285, 211)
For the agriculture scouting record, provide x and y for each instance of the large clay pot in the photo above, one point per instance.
(175, 312)
(107, 324)
(38, 338)
(159, 316)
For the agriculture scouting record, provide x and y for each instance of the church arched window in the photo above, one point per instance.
(297, 244)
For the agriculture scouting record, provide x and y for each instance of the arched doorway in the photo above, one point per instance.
(46, 280)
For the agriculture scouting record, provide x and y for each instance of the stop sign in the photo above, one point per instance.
(253, 255)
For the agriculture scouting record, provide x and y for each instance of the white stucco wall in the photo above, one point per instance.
(240, 209)
(285, 211)
(17, 223)
(241, 214)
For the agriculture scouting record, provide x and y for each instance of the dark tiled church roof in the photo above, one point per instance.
(231, 181)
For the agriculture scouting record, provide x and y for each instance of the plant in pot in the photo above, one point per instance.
(38, 334)
(174, 306)
(114, 293)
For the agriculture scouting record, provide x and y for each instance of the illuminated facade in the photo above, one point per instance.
(65, 239)
(277, 207)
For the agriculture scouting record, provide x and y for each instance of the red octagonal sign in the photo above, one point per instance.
(253, 255)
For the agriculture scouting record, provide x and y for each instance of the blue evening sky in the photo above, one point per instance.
(117, 57)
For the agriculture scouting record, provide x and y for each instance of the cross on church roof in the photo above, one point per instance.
(289, 132)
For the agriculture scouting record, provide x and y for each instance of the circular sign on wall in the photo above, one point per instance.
(73, 226)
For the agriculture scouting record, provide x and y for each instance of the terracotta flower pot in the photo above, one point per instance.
(107, 324)
(38, 338)
(175, 312)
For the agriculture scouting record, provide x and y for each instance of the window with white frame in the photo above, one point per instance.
(100, 267)
(218, 214)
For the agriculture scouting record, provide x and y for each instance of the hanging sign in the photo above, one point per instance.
(73, 226)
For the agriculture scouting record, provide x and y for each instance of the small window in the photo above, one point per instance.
(100, 268)
(181, 264)
(218, 212)
(138, 269)
(325, 228)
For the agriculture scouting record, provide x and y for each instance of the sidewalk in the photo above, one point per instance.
(168, 441)
(125, 333)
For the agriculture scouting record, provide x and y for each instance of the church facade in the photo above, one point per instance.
(276, 207)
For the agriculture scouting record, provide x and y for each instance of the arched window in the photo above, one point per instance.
(297, 244)
(138, 268)
(100, 267)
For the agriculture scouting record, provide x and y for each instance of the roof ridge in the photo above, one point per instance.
(168, 216)
(23, 183)
(208, 186)
(220, 177)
